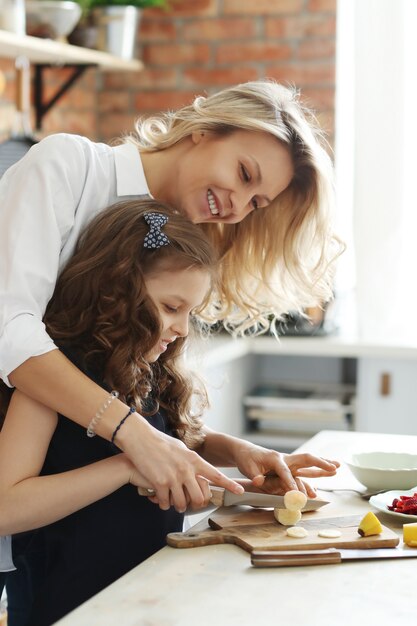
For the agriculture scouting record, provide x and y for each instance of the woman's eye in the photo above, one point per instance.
(245, 174)
(170, 309)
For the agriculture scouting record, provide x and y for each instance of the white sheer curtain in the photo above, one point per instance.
(376, 164)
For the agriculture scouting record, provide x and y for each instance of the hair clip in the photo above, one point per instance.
(155, 237)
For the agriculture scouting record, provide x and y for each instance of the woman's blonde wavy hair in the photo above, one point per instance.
(278, 259)
(101, 311)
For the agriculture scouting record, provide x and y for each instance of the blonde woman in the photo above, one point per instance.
(248, 165)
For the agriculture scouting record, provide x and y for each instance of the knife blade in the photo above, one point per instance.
(291, 558)
(222, 497)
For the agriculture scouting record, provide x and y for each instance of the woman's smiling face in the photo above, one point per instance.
(223, 178)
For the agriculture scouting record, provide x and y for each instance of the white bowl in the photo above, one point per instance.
(51, 19)
(385, 470)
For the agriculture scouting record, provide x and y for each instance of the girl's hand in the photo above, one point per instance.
(282, 470)
(311, 466)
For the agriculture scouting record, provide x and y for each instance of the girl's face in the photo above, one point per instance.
(175, 293)
(224, 178)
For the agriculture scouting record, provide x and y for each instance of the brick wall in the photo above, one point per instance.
(197, 47)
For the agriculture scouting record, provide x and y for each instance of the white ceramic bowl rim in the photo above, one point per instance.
(384, 461)
(66, 4)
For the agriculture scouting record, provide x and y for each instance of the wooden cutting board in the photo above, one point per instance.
(256, 529)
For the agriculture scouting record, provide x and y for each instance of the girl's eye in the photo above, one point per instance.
(245, 174)
(170, 309)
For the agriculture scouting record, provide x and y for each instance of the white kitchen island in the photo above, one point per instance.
(216, 585)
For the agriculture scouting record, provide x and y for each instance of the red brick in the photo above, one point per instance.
(149, 78)
(316, 49)
(111, 102)
(215, 29)
(300, 75)
(9, 93)
(326, 122)
(261, 7)
(111, 126)
(152, 78)
(165, 54)
(162, 100)
(157, 30)
(319, 99)
(192, 8)
(58, 120)
(6, 65)
(119, 80)
(322, 5)
(300, 26)
(76, 98)
(217, 76)
(252, 51)
(7, 119)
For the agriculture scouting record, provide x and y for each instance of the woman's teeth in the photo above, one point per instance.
(212, 203)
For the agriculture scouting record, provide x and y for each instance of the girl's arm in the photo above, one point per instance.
(29, 501)
(256, 462)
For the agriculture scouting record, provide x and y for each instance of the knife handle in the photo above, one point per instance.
(290, 558)
(217, 494)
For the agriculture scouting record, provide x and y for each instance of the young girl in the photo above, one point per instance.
(248, 164)
(121, 313)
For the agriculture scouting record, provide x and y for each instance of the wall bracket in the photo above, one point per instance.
(41, 106)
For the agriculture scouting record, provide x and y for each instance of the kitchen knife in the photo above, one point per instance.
(222, 497)
(291, 558)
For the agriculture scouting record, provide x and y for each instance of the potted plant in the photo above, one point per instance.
(111, 25)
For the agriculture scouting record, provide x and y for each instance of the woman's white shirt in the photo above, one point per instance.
(46, 200)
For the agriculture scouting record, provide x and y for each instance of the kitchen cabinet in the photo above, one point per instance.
(384, 375)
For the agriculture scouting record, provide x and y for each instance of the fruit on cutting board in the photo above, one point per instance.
(295, 500)
(369, 525)
(410, 535)
(297, 532)
(286, 517)
(329, 533)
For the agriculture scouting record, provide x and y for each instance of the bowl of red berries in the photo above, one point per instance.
(384, 470)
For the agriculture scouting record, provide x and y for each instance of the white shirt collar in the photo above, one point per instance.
(130, 177)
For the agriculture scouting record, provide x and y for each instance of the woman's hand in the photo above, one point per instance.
(178, 476)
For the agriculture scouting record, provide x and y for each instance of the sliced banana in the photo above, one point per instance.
(298, 532)
(329, 533)
(295, 500)
(286, 517)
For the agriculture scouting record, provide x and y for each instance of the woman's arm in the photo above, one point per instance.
(28, 500)
(165, 463)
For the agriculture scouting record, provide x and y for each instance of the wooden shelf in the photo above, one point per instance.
(47, 51)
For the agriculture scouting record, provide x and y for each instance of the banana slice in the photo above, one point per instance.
(286, 517)
(329, 533)
(298, 532)
(295, 500)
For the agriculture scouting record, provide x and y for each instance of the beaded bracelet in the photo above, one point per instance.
(122, 421)
(97, 417)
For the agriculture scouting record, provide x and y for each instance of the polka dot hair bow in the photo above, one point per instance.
(155, 237)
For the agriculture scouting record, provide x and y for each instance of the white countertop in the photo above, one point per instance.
(217, 585)
(223, 348)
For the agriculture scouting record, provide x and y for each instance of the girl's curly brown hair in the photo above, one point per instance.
(100, 310)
